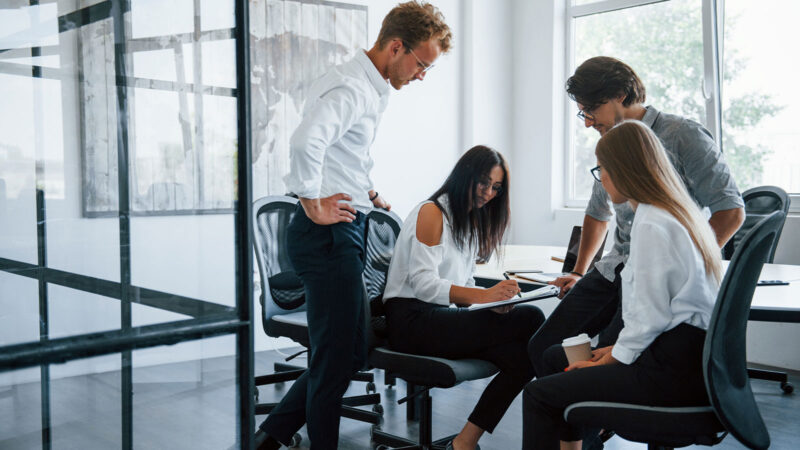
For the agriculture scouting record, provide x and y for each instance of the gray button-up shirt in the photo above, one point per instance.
(700, 164)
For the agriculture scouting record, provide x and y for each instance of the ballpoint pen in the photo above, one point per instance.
(505, 275)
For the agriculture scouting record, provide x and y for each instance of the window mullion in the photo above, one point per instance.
(711, 84)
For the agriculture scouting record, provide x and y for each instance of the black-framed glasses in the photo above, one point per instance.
(595, 171)
(584, 116)
(483, 185)
(422, 65)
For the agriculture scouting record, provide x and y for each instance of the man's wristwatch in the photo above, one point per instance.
(372, 199)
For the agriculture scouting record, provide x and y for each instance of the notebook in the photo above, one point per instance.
(538, 294)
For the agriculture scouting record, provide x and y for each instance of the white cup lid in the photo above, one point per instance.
(576, 340)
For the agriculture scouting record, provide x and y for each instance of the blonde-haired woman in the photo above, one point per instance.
(669, 286)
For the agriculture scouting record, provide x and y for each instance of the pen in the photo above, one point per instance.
(505, 275)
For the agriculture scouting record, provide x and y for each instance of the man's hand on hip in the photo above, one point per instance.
(329, 210)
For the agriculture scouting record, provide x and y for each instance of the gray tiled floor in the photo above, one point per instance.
(192, 405)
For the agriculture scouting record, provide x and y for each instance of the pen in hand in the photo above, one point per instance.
(505, 275)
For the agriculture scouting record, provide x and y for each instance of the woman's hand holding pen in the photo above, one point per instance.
(503, 290)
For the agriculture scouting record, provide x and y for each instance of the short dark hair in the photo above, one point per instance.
(484, 226)
(415, 23)
(603, 78)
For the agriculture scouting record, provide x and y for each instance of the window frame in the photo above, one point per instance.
(713, 27)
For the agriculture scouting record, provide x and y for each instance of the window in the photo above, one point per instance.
(760, 107)
(673, 47)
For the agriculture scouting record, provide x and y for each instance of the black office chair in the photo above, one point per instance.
(421, 373)
(758, 203)
(283, 304)
(732, 406)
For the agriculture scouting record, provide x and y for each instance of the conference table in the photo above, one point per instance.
(770, 303)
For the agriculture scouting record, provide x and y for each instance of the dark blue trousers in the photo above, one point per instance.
(330, 261)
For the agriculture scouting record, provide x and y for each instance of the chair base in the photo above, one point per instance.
(420, 403)
(772, 375)
(287, 372)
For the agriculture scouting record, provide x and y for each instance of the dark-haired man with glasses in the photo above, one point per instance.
(329, 171)
(607, 92)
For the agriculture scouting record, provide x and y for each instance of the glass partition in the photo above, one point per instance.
(124, 232)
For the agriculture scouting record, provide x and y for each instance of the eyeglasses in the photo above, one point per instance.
(584, 116)
(420, 63)
(483, 185)
(595, 171)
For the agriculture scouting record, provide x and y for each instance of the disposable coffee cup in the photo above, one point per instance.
(578, 348)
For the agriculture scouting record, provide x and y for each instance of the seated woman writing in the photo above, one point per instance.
(432, 268)
(669, 286)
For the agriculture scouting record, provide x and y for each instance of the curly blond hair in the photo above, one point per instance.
(413, 23)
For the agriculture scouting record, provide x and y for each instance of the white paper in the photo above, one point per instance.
(538, 294)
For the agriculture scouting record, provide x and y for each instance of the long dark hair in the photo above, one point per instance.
(482, 226)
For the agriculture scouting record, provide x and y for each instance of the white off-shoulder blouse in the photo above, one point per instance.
(427, 272)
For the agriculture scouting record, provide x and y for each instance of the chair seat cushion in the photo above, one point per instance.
(293, 326)
(430, 371)
(668, 426)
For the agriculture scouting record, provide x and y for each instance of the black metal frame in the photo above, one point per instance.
(208, 319)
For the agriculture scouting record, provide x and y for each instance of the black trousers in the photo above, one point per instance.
(457, 333)
(668, 373)
(592, 306)
(330, 261)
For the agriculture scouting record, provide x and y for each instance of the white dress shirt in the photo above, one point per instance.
(427, 272)
(664, 283)
(329, 150)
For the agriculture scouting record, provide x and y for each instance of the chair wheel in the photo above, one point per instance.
(371, 389)
(787, 387)
(296, 440)
(378, 409)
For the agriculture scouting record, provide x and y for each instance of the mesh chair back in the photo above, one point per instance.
(724, 354)
(759, 202)
(281, 289)
(383, 227)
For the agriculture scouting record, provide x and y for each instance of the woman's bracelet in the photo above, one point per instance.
(372, 199)
(577, 273)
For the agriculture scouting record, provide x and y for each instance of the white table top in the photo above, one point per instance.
(766, 298)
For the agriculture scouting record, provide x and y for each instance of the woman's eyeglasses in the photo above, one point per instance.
(483, 185)
(595, 171)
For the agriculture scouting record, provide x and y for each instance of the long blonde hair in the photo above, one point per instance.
(640, 169)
